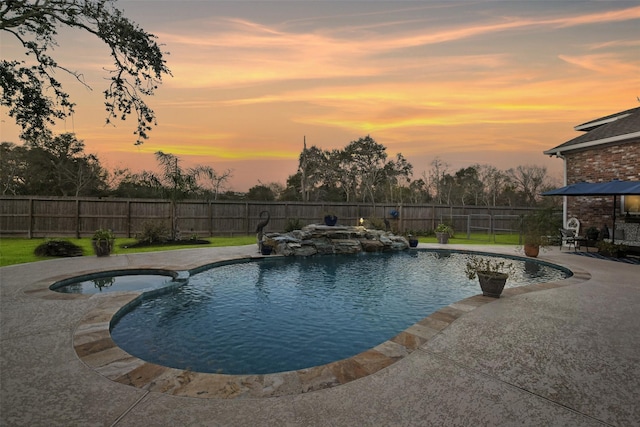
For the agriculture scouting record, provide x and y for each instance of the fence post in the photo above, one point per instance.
(210, 219)
(433, 217)
(30, 226)
(492, 227)
(128, 218)
(77, 218)
(246, 217)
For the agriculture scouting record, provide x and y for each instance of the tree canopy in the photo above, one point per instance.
(359, 172)
(35, 97)
(52, 166)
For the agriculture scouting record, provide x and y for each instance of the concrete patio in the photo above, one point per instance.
(566, 354)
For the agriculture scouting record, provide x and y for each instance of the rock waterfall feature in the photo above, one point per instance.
(321, 239)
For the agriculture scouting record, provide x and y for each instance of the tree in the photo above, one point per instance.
(360, 171)
(144, 184)
(293, 188)
(529, 180)
(51, 166)
(262, 193)
(312, 167)
(397, 173)
(178, 182)
(366, 159)
(32, 93)
(437, 181)
(212, 181)
(419, 191)
(493, 181)
(468, 188)
(13, 168)
(70, 172)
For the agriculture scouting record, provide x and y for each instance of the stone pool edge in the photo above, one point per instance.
(93, 345)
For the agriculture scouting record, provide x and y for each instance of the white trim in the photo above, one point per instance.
(617, 138)
(591, 125)
(565, 200)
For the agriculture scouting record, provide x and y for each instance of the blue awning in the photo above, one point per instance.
(610, 188)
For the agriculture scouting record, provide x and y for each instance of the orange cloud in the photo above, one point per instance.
(605, 64)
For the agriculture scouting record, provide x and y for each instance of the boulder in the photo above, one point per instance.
(321, 239)
(372, 245)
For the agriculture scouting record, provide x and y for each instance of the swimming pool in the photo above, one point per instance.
(281, 314)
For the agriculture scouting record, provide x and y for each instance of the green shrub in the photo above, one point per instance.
(153, 232)
(444, 228)
(293, 224)
(102, 234)
(58, 248)
(375, 223)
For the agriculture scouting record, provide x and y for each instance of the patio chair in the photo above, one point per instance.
(568, 238)
(573, 224)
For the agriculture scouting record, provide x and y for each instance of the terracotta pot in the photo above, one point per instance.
(492, 284)
(531, 250)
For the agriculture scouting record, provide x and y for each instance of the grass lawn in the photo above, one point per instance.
(477, 239)
(20, 250)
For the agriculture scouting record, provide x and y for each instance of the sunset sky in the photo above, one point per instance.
(466, 81)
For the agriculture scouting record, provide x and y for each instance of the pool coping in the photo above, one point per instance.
(94, 346)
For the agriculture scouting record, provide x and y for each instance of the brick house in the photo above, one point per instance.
(608, 149)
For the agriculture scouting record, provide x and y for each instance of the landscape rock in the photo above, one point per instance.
(322, 239)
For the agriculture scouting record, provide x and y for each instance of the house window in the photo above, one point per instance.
(631, 205)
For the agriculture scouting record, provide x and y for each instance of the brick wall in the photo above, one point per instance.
(600, 164)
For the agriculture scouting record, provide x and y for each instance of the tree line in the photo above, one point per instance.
(360, 172)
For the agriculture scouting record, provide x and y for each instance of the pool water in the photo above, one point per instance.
(281, 314)
(112, 282)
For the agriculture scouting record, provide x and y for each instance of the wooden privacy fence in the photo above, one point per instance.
(80, 217)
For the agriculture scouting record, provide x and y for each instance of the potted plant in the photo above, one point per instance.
(592, 234)
(491, 273)
(330, 219)
(537, 227)
(533, 243)
(413, 241)
(443, 232)
(613, 250)
(102, 242)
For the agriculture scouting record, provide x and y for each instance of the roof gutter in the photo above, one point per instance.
(618, 138)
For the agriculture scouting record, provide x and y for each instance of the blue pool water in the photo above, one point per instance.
(111, 282)
(282, 314)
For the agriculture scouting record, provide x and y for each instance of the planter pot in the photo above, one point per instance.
(266, 250)
(492, 284)
(531, 250)
(102, 247)
(442, 238)
(413, 243)
(330, 220)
